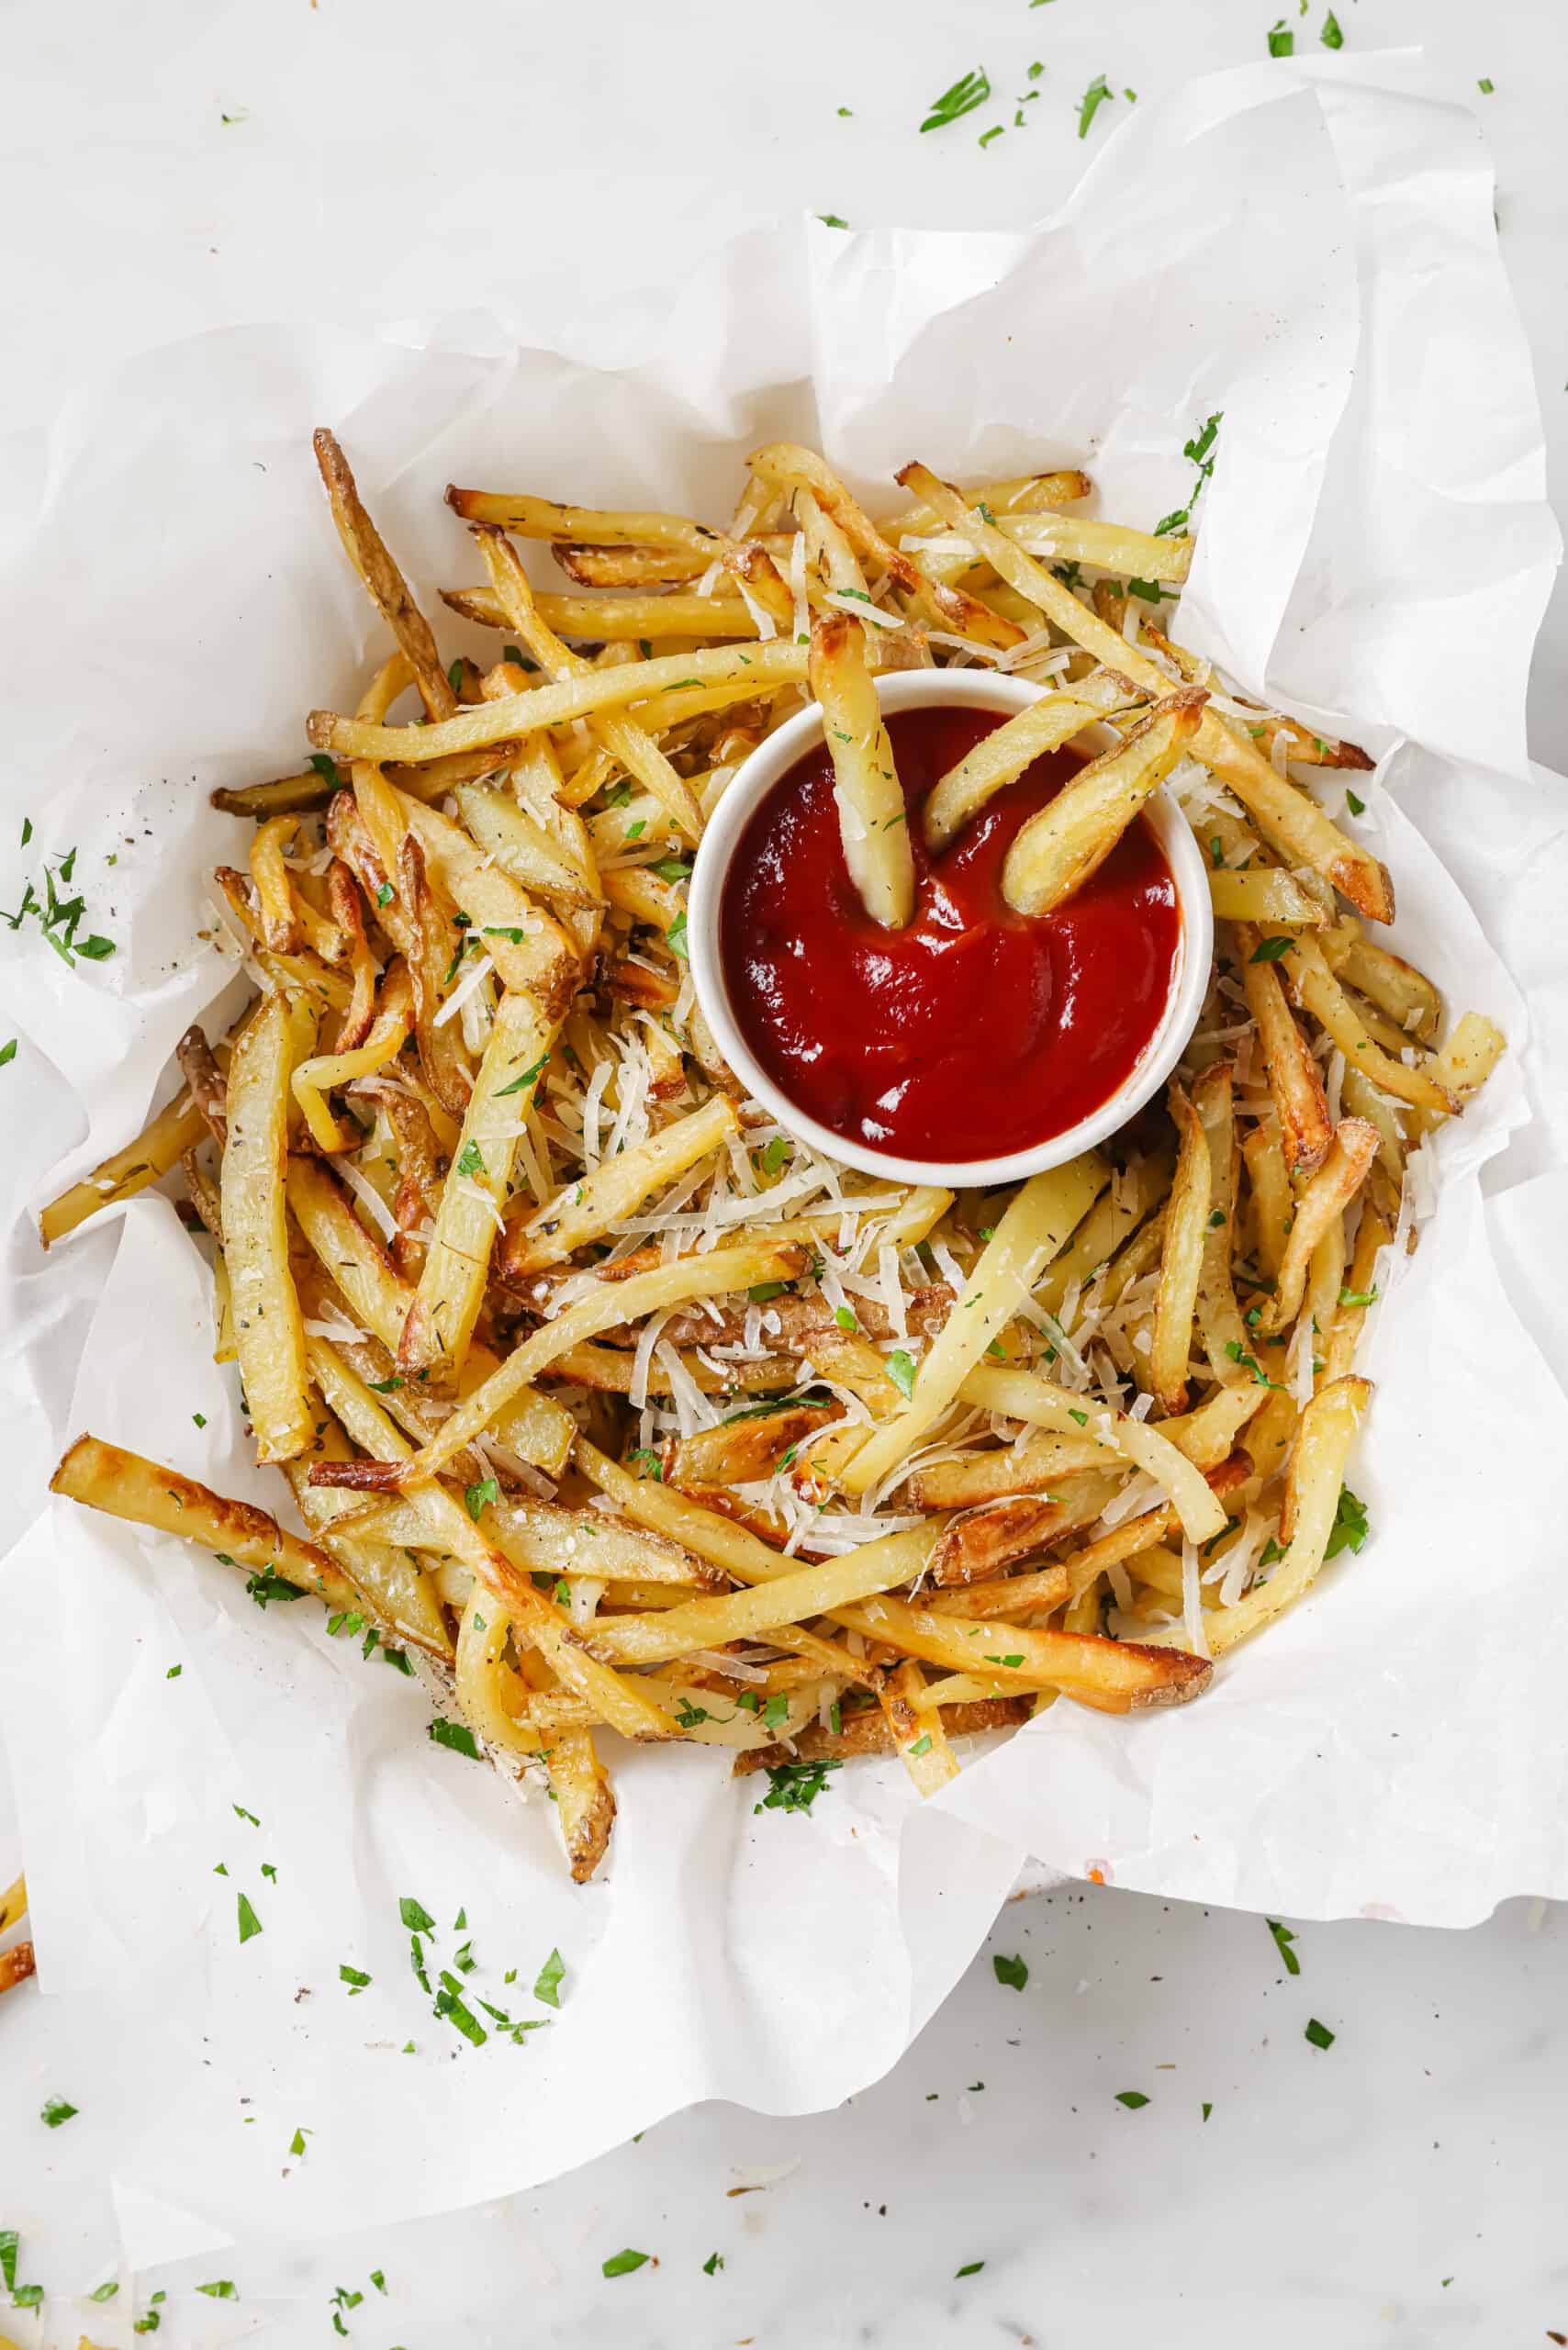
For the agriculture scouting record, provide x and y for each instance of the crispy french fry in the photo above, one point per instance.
(1320, 993)
(1113, 1676)
(918, 1739)
(872, 821)
(314, 1078)
(523, 847)
(1468, 1058)
(1073, 835)
(176, 1129)
(1300, 1102)
(1042, 1216)
(124, 1485)
(388, 589)
(746, 669)
(440, 1328)
(1023, 1396)
(1358, 1292)
(805, 1592)
(1182, 1260)
(999, 759)
(1274, 1203)
(1320, 1203)
(1114, 1218)
(1261, 894)
(1329, 1427)
(616, 1189)
(1397, 987)
(268, 1336)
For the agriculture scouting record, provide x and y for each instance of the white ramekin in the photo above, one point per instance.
(962, 689)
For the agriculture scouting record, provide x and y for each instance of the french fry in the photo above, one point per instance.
(1329, 1427)
(124, 1485)
(440, 1327)
(176, 1129)
(1182, 1259)
(1397, 987)
(919, 1739)
(1039, 1220)
(1113, 1676)
(1219, 1317)
(980, 1542)
(1274, 1203)
(872, 821)
(314, 1078)
(13, 1904)
(1023, 1396)
(1261, 894)
(15, 1966)
(268, 1336)
(1073, 835)
(1115, 1217)
(1468, 1058)
(388, 589)
(616, 1189)
(1293, 823)
(1319, 993)
(1322, 1201)
(999, 759)
(521, 847)
(747, 669)
(1301, 1105)
(805, 1592)
(1358, 1292)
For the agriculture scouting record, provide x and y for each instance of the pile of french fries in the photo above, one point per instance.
(601, 1397)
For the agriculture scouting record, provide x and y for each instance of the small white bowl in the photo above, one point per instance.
(961, 690)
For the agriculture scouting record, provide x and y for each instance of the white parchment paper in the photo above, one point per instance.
(1309, 249)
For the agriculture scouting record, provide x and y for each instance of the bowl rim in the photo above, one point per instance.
(763, 767)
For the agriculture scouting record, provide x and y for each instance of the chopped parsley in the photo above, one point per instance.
(266, 1585)
(1359, 1297)
(1486, 85)
(103, 2292)
(250, 1924)
(1332, 36)
(716, 2260)
(1350, 1529)
(995, 132)
(621, 2264)
(1269, 950)
(794, 1786)
(1131, 2098)
(58, 917)
(526, 1079)
(969, 90)
(675, 938)
(1208, 2107)
(1318, 2033)
(296, 2144)
(471, 1160)
(356, 1982)
(8, 1051)
(56, 2112)
(415, 1915)
(1283, 1938)
(449, 2002)
(831, 220)
(547, 1982)
(1356, 807)
(1238, 1353)
(1281, 40)
(776, 1152)
(901, 1370)
(222, 2288)
(921, 1744)
(973, 2267)
(1011, 1971)
(476, 1497)
(1089, 105)
(457, 1735)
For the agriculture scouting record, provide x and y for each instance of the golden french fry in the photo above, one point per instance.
(1073, 835)
(1262, 894)
(160, 1146)
(388, 589)
(918, 1737)
(1397, 987)
(1042, 1216)
(1300, 1103)
(999, 759)
(268, 1336)
(1320, 1203)
(872, 821)
(440, 1328)
(1182, 1260)
(1319, 993)
(1316, 1470)
(124, 1485)
(617, 1188)
(521, 847)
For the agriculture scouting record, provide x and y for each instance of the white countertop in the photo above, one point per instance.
(1398, 2187)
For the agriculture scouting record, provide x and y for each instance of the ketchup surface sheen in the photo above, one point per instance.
(975, 1030)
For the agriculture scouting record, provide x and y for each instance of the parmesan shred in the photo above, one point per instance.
(470, 983)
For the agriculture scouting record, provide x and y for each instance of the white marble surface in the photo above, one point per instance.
(1332, 2192)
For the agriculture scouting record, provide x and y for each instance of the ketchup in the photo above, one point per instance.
(975, 1030)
